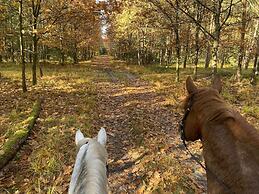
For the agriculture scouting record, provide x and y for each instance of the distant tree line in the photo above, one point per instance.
(37, 31)
(185, 33)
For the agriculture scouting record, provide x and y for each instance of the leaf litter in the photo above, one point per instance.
(140, 110)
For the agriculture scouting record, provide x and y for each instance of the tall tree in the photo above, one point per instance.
(242, 39)
(36, 7)
(199, 10)
(256, 61)
(22, 57)
(174, 23)
(220, 16)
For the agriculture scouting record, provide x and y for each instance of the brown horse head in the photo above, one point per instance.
(198, 97)
(230, 143)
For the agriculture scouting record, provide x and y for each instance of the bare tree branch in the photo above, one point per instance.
(205, 31)
(229, 12)
(158, 5)
(205, 6)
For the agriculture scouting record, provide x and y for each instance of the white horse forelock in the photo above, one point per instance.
(89, 174)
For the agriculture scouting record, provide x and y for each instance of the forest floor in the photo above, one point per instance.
(140, 107)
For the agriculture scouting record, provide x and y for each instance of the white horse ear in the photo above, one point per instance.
(102, 136)
(79, 136)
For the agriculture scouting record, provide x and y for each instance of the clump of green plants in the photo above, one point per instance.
(45, 162)
(251, 110)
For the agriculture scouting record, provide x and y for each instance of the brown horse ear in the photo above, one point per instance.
(190, 86)
(216, 83)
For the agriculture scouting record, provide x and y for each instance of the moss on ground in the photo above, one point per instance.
(15, 141)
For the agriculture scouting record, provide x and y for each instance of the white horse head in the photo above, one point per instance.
(89, 175)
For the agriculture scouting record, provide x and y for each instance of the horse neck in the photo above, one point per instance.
(230, 149)
(96, 177)
(91, 176)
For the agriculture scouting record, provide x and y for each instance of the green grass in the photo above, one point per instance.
(251, 110)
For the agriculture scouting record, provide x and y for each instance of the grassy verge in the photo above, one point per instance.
(45, 163)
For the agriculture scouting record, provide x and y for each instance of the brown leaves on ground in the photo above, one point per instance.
(140, 109)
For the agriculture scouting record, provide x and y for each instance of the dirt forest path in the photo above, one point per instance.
(142, 136)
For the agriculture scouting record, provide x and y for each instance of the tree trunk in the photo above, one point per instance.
(248, 58)
(139, 60)
(187, 47)
(35, 54)
(22, 58)
(177, 42)
(178, 56)
(161, 56)
(197, 49)
(139, 50)
(197, 43)
(43, 59)
(223, 57)
(41, 70)
(216, 41)
(62, 58)
(12, 51)
(30, 54)
(256, 64)
(208, 46)
(5, 56)
(62, 55)
(216, 35)
(256, 61)
(75, 58)
(242, 41)
(166, 56)
(61, 46)
(186, 56)
(251, 46)
(215, 56)
(208, 55)
(35, 14)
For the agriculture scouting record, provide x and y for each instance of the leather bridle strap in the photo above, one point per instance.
(182, 126)
(182, 122)
(107, 170)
